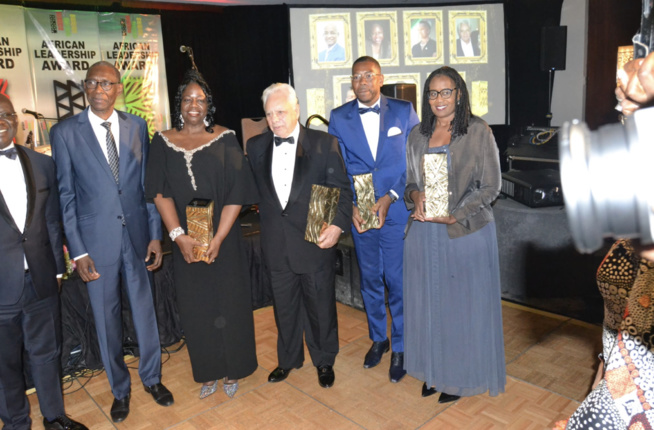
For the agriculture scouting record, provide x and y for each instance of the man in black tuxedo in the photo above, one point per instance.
(287, 161)
(32, 257)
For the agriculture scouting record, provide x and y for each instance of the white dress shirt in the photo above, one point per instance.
(14, 190)
(283, 166)
(467, 49)
(370, 121)
(101, 132)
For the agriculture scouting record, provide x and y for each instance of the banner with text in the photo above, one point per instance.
(134, 43)
(15, 71)
(56, 48)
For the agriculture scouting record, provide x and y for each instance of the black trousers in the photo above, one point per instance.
(305, 304)
(33, 325)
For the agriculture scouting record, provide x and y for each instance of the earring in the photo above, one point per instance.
(181, 121)
(206, 123)
(458, 102)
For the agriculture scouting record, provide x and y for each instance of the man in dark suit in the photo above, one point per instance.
(372, 132)
(32, 260)
(426, 47)
(111, 232)
(466, 46)
(286, 162)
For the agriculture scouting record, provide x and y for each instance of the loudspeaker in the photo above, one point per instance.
(401, 91)
(553, 48)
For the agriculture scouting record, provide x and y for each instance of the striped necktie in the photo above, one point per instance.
(112, 151)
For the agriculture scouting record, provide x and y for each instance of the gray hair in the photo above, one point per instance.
(277, 87)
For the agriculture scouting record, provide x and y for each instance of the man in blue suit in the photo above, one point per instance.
(334, 51)
(372, 131)
(111, 232)
(32, 258)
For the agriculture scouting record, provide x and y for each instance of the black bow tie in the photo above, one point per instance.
(9, 153)
(279, 140)
(374, 109)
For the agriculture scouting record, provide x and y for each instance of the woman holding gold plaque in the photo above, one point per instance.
(199, 179)
(452, 309)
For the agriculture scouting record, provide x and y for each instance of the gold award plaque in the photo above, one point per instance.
(322, 210)
(366, 200)
(199, 223)
(435, 180)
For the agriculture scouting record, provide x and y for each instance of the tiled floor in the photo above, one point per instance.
(550, 364)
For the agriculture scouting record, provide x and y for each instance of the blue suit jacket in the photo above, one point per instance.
(336, 54)
(389, 168)
(40, 241)
(92, 204)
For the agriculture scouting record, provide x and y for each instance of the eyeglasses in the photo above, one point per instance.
(367, 76)
(445, 93)
(8, 116)
(92, 84)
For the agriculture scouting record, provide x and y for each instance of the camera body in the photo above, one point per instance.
(606, 177)
(606, 174)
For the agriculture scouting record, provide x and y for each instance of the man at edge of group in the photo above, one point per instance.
(372, 132)
(111, 232)
(286, 162)
(30, 320)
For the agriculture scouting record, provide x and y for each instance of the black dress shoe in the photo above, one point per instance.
(325, 376)
(397, 372)
(120, 409)
(279, 374)
(62, 422)
(426, 392)
(447, 398)
(160, 394)
(374, 355)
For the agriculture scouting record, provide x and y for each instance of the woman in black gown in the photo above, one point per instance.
(197, 159)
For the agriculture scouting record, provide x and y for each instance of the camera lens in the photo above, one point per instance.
(606, 179)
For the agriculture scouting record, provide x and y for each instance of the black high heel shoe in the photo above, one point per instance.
(447, 398)
(427, 391)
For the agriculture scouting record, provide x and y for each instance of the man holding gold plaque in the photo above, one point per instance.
(288, 162)
(372, 131)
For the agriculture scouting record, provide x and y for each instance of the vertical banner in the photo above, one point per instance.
(15, 71)
(133, 43)
(63, 45)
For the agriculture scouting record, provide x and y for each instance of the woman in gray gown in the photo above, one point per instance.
(452, 301)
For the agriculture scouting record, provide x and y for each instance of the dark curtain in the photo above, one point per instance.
(528, 86)
(239, 50)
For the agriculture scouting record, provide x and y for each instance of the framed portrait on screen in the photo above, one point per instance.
(377, 36)
(331, 42)
(468, 37)
(343, 93)
(407, 78)
(423, 37)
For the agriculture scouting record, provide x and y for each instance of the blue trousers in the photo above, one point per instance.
(380, 253)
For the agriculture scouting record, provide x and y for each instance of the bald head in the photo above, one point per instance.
(8, 122)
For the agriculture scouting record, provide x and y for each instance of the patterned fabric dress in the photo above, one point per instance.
(624, 397)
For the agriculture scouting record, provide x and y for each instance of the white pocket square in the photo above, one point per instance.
(394, 131)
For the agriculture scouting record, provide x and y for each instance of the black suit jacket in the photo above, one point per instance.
(41, 239)
(318, 161)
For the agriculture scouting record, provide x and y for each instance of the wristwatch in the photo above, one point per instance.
(392, 196)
